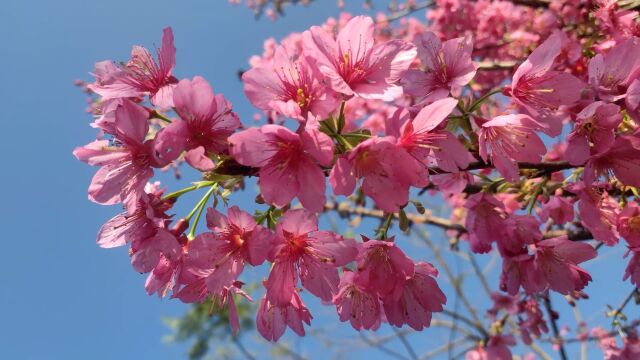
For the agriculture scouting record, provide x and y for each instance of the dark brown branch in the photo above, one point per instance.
(231, 167)
(574, 235)
(532, 3)
(554, 326)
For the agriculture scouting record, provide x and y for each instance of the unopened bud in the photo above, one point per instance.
(179, 227)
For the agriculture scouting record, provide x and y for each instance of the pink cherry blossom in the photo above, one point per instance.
(598, 213)
(595, 124)
(452, 183)
(141, 76)
(125, 163)
(383, 269)
(289, 163)
(558, 209)
(147, 252)
(485, 222)
(632, 270)
(354, 304)
(206, 122)
(420, 298)
(554, 265)
(421, 138)
(387, 170)
(219, 256)
(533, 322)
(620, 23)
(611, 350)
(355, 65)
(301, 250)
(507, 303)
(519, 270)
(163, 278)
(148, 216)
(610, 74)
(632, 100)
(557, 260)
(291, 85)
(448, 67)
(197, 291)
(272, 320)
(628, 224)
(497, 348)
(525, 230)
(508, 139)
(621, 160)
(540, 89)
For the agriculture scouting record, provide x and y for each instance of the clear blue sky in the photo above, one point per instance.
(63, 297)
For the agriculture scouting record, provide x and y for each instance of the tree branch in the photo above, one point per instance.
(346, 210)
(532, 3)
(624, 304)
(232, 168)
(407, 11)
(554, 326)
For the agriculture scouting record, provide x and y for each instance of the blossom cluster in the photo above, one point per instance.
(460, 107)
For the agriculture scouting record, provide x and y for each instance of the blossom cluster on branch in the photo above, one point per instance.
(464, 106)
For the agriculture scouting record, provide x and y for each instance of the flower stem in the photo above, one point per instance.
(197, 210)
(476, 104)
(384, 228)
(536, 193)
(180, 192)
(156, 115)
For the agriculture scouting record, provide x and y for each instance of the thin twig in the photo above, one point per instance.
(477, 323)
(407, 11)
(578, 317)
(345, 209)
(243, 350)
(626, 301)
(554, 326)
(406, 344)
(445, 347)
(380, 347)
(478, 271)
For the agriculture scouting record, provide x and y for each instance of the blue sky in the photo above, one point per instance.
(63, 297)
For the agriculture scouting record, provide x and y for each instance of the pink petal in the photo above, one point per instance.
(261, 86)
(321, 279)
(194, 99)
(163, 98)
(281, 283)
(319, 145)
(99, 153)
(249, 147)
(167, 53)
(341, 179)
(356, 36)
(198, 159)
(171, 141)
(131, 123)
(298, 222)
(333, 248)
(432, 115)
(278, 185)
(312, 186)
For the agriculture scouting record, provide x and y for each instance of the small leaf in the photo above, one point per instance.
(404, 221)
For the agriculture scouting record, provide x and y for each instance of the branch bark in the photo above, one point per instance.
(346, 210)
